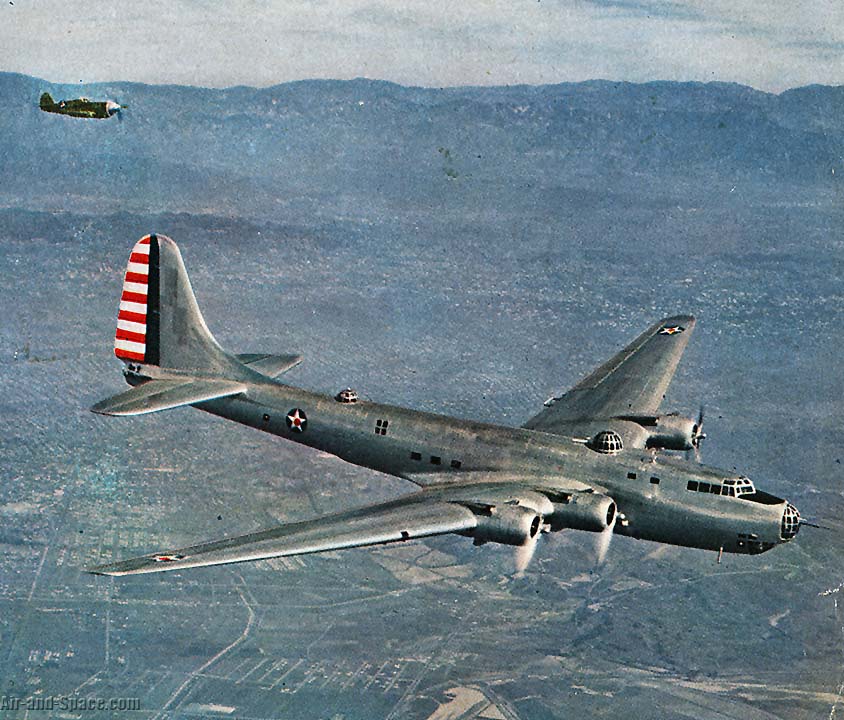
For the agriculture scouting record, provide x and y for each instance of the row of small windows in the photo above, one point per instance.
(711, 488)
(654, 478)
(436, 460)
(381, 429)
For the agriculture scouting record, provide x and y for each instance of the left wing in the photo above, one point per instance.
(413, 516)
(632, 382)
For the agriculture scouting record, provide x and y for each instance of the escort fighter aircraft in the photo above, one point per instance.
(589, 460)
(80, 107)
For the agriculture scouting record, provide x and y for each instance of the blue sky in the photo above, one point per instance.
(769, 45)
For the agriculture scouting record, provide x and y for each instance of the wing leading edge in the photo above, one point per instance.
(413, 516)
(632, 382)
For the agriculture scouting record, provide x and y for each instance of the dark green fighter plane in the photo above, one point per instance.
(589, 460)
(80, 107)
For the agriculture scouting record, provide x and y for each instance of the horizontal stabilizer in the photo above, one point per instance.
(155, 395)
(270, 365)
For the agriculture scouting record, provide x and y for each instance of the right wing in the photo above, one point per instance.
(632, 382)
(456, 507)
(413, 516)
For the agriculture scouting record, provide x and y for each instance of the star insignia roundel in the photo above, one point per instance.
(296, 420)
(671, 330)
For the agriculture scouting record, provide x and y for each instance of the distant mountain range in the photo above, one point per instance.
(350, 145)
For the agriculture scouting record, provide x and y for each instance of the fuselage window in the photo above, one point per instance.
(456, 464)
(631, 476)
(381, 427)
(654, 480)
(436, 460)
(712, 489)
(415, 456)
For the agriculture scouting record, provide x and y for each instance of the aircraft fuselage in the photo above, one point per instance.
(659, 498)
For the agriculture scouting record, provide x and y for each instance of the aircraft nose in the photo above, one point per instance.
(790, 523)
(112, 107)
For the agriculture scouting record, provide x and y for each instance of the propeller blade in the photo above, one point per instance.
(524, 554)
(604, 540)
(698, 429)
(698, 436)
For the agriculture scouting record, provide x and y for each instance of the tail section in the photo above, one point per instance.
(173, 360)
(46, 100)
(159, 322)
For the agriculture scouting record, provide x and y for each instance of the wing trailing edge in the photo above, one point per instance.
(155, 395)
(395, 521)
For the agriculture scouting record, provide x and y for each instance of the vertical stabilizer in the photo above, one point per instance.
(159, 322)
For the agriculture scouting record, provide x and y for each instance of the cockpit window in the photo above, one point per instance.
(741, 485)
(726, 489)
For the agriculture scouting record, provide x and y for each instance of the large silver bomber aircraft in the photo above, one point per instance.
(588, 461)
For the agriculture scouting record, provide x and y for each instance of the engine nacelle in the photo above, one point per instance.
(507, 524)
(584, 511)
(669, 432)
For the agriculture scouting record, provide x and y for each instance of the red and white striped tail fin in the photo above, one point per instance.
(134, 339)
(159, 323)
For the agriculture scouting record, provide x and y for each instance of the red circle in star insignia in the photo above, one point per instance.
(297, 420)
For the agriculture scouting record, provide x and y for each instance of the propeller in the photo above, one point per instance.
(113, 108)
(698, 436)
(524, 554)
(604, 539)
(526, 551)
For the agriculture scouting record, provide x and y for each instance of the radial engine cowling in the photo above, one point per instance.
(584, 511)
(507, 524)
(672, 432)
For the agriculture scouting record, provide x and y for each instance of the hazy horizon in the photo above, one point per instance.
(654, 81)
(259, 43)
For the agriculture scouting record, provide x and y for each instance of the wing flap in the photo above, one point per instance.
(632, 382)
(398, 520)
(155, 395)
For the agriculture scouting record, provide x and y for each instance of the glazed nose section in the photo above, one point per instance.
(112, 107)
(790, 523)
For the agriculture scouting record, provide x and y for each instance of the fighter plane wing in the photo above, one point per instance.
(632, 382)
(413, 516)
